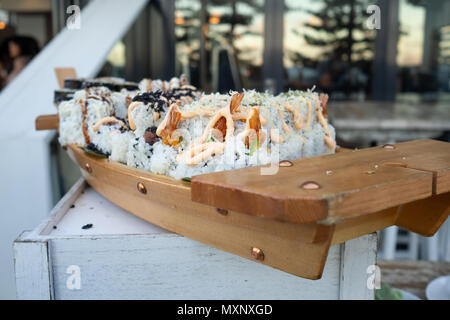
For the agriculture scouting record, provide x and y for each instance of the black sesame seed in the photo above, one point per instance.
(92, 147)
(151, 129)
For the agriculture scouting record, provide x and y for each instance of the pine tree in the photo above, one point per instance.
(339, 27)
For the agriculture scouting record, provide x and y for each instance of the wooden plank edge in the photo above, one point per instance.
(424, 217)
(32, 266)
(47, 122)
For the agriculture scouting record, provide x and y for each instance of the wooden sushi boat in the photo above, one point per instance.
(287, 220)
(286, 216)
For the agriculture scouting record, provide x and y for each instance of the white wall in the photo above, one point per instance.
(25, 189)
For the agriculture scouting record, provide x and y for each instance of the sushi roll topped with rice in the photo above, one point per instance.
(171, 128)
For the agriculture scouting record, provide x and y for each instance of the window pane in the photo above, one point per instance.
(187, 33)
(424, 51)
(233, 47)
(327, 44)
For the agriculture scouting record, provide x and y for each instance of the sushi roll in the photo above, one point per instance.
(120, 102)
(139, 153)
(71, 123)
(73, 83)
(96, 83)
(63, 95)
(111, 83)
(129, 86)
(120, 142)
(149, 85)
(171, 128)
(78, 117)
(146, 110)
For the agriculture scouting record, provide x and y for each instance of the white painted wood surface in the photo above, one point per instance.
(356, 257)
(25, 164)
(124, 257)
(33, 270)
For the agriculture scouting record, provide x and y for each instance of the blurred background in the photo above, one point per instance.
(386, 85)
(321, 43)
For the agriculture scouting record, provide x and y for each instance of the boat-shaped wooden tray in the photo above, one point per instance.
(290, 219)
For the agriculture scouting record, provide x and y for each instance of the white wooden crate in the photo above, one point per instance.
(124, 257)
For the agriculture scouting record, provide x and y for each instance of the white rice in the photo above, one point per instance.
(143, 118)
(131, 148)
(120, 105)
(119, 146)
(102, 139)
(139, 153)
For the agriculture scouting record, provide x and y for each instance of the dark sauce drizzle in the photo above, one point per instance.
(159, 100)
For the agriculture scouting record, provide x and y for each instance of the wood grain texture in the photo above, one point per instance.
(362, 182)
(64, 73)
(428, 155)
(175, 267)
(60, 209)
(47, 122)
(426, 216)
(294, 248)
(32, 268)
(356, 227)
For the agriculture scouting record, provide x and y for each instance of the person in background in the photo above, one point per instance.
(19, 52)
(5, 62)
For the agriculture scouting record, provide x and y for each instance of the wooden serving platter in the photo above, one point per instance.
(345, 185)
(276, 220)
(271, 224)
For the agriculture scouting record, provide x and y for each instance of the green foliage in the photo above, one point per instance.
(387, 293)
